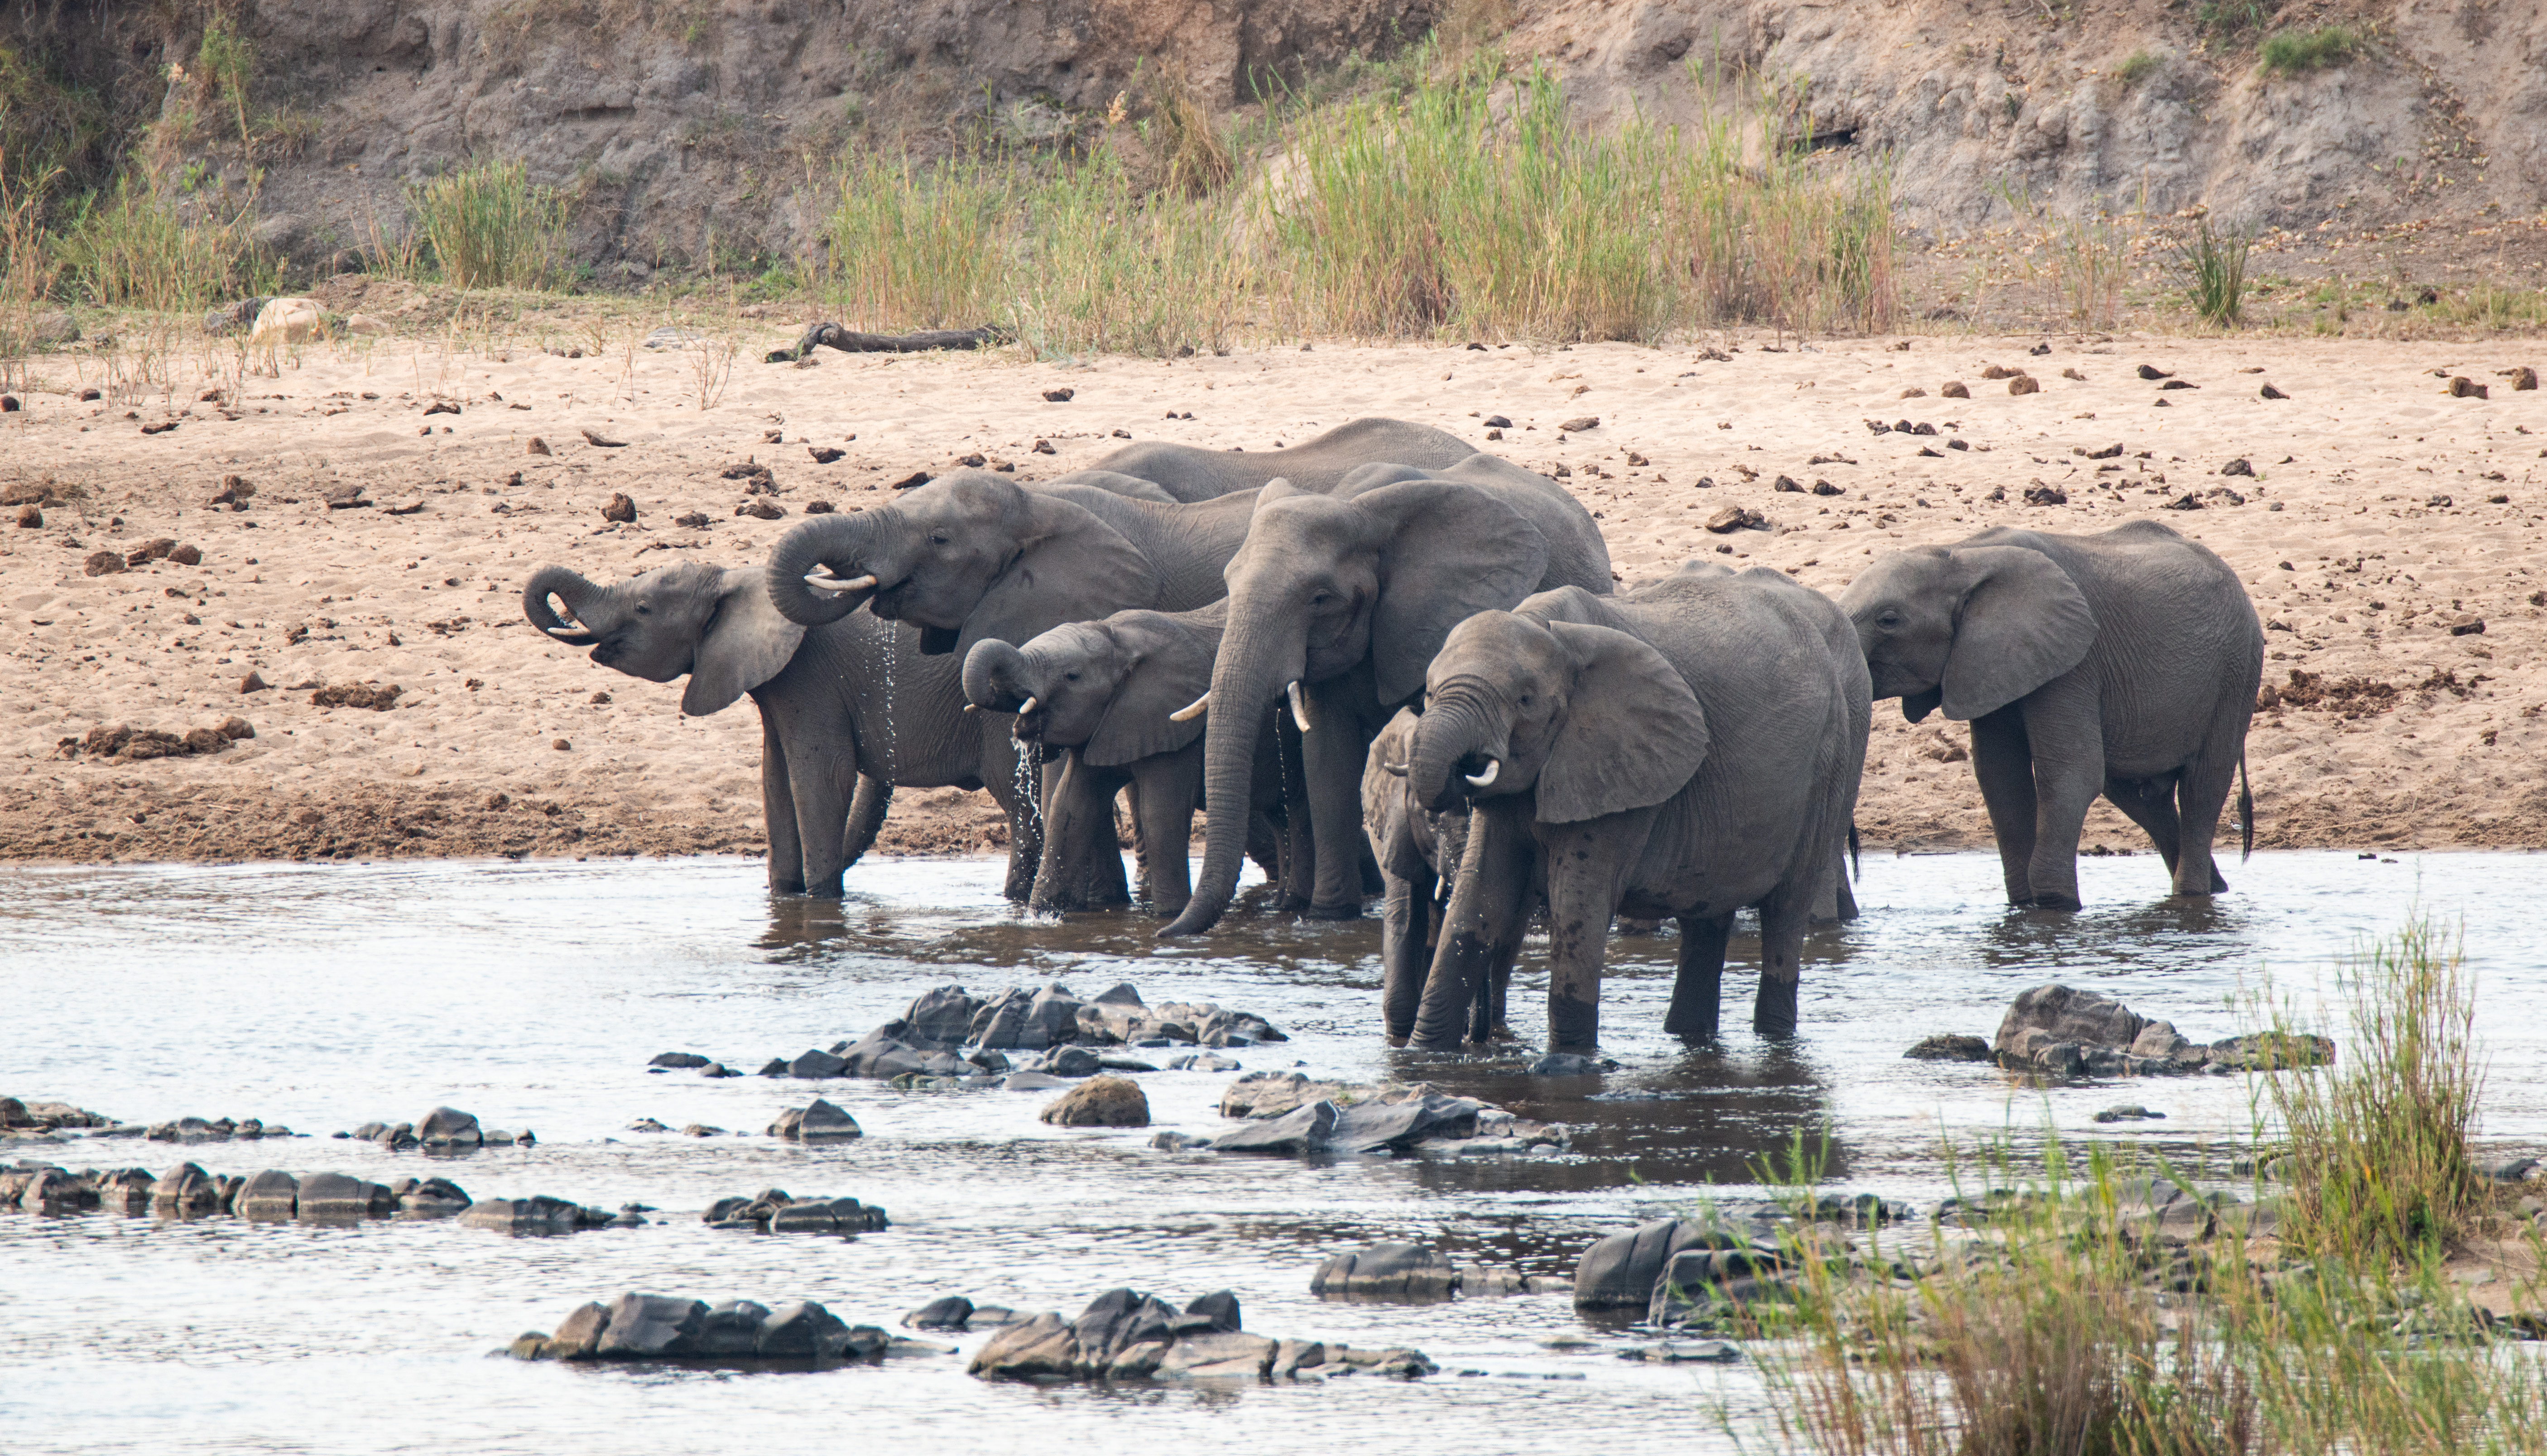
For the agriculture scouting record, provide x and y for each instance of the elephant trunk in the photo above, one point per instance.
(845, 545)
(1254, 666)
(582, 603)
(1458, 732)
(998, 678)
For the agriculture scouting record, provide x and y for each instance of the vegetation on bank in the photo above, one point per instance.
(2063, 1313)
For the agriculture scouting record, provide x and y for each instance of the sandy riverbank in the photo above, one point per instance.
(2384, 516)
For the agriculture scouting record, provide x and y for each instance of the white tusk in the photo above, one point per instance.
(1397, 769)
(828, 583)
(1190, 710)
(1494, 766)
(565, 632)
(1299, 709)
(1028, 706)
(972, 707)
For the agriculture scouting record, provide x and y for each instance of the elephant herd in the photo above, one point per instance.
(1379, 662)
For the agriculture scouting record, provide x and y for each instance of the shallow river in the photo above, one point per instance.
(533, 994)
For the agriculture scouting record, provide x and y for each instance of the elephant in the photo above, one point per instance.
(1186, 472)
(1417, 848)
(1684, 749)
(848, 710)
(2124, 664)
(1102, 695)
(1338, 602)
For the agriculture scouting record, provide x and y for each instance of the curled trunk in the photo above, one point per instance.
(838, 542)
(1453, 734)
(580, 596)
(1250, 674)
(998, 678)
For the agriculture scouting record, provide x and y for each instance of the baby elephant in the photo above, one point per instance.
(1103, 697)
(2124, 664)
(1686, 749)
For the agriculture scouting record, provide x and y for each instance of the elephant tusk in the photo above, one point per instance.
(1494, 766)
(972, 707)
(567, 632)
(1299, 709)
(1396, 769)
(1028, 706)
(829, 583)
(1190, 710)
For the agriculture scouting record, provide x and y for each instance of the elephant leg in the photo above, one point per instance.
(1699, 989)
(2066, 733)
(1783, 921)
(1405, 918)
(1847, 894)
(823, 789)
(2202, 791)
(867, 819)
(2150, 803)
(1588, 864)
(1012, 786)
(1332, 756)
(2003, 763)
(1487, 899)
(778, 814)
(1140, 847)
(1497, 1019)
(1078, 843)
(1164, 796)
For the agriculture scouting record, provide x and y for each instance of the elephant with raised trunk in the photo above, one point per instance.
(848, 710)
(1103, 697)
(1187, 473)
(1687, 749)
(1336, 604)
(2123, 663)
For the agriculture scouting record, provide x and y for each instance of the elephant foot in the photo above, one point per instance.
(2049, 902)
(1395, 1039)
(1347, 912)
(1773, 1015)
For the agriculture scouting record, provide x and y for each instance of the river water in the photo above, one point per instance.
(533, 994)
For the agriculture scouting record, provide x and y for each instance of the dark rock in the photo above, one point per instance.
(1231, 1354)
(939, 1018)
(1376, 1126)
(2239, 467)
(950, 1312)
(1407, 1272)
(448, 1127)
(1695, 1280)
(188, 1190)
(774, 1066)
(1301, 1130)
(1618, 1272)
(431, 1198)
(1220, 1307)
(804, 1331)
(1071, 1061)
(535, 1215)
(652, 1326)
(1102, 1102)
(1204, 1062)
(1565, 1063)
(341, 1198)
(812, 1065)
(1950, 1048)
(731, 1328)
(270, 1195)
(819, 1121)
(2126, 1112)
(679, 1059)
(580, 1338)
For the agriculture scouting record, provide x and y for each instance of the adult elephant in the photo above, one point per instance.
(1339, 602)
(2123, 663)
(848, 710)
(1687, 749)
(1102, 696)
(1187, 473)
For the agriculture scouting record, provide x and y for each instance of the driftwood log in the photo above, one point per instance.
(833, 336)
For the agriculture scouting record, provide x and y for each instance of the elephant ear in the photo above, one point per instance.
(2023, 623)
(1634, 732)
(1452, 551)
(1172, 667)
(745, 644)
(1070, 567)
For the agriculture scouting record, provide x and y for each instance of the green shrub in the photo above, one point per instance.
(2292, 52)
(137, 249)
(489, 227)
(2136, 67)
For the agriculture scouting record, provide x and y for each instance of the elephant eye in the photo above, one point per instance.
(1888, 621)
(1070, 677)
(937, 537)
(643, 611)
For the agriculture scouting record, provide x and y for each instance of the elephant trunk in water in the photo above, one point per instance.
(1255, 663)
(583, 603)
(852, 545)
(1461, 732)
(998, 678)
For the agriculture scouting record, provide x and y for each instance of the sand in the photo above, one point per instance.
(2383, 518)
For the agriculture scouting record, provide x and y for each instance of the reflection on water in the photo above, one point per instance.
(533, 994)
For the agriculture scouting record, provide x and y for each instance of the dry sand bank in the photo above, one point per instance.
(2370, 533)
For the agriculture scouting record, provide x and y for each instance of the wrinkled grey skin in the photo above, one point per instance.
(1415, 848)
(2123, 663)
(824, 695)
(1186, 472)
(1104, 695)
(1686, 749)
(1350, 595)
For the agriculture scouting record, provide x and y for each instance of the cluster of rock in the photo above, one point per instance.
(1289, 1115)
(1124, 1334)
(661, 1327)
(775, 1211)
(1410, 1273)
(275, 1196)
(1686, 1271)
(39, 1118)
(217, 1130)
(125, 744)
(443, 1130)
(820, 1122)
(949, 1033)
(2064, 1032)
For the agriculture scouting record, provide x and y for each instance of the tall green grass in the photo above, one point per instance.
(137, 247)
(488, 226)
(2213, 268)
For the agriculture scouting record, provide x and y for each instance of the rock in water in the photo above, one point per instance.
(1618, 1272)
(270, 1195)
(1100, 1102)
(1302, 1130)
(1406, 1272)
(449, 1127)
(1950, 1048)
(818, 1123)
(652, 1326)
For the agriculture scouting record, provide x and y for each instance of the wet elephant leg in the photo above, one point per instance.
(1000, 774)
(1487, 899)
(1698, 990)
(2202, 789)
(2150, 803)
(1299, 845)
(2003, 763)
(867, 819)
(778, 813)
(1405, 921)
(1783, 921)
(1164, 796)
(1332, 753)
(2066, 733)
(1588, 864)
(823, 790)
(1082, 868)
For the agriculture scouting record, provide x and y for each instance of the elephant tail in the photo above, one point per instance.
(2246, 811)
(1856, 867)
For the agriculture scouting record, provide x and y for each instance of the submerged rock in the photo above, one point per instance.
(818, 1122)
(652, 1328)
(1407, 1272)
(1100, 1102)
(2064, 1032)
(776, 1211)
(1124, 1334)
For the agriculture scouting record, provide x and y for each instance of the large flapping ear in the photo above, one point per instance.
(1070, 567)
(1171, 667)
(2023, 623)
(1450, 550)
(745, 644)
(1634, 732)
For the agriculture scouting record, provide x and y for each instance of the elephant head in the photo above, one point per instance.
(965, 558)
(1592, 718)
(1108, 688)
(1379, 572)
(1968, 627)
(716, 625)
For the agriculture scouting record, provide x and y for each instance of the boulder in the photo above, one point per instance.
(1220, 1307)
(1072, 1061)
(431, 1198)
(580, 1338)
(1221, 1354)
(813, 1063)
(449, 1127)
(1407, 1272)
(1618, 1272)
(272, 1195)
(1033, 1020)
(188, 1190)
(1385, 1126)
(884, 1056)
(341, 1198)
(940, 1018)
(954, 1312)
(1950, 1048)
(652, 1326)
(1100, 1102)
(1303, 1130)
(2064, 1032)
(804, 1331)
(1275, 1093)
(1695, 1281)
(1042, 1349)
(679, 1060)
(819, 1121)
(536, 1215)
(2058, 1013)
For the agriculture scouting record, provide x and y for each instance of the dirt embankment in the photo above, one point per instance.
(2393, 534)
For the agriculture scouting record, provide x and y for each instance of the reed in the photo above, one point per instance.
(27, 270)
(911, 246)
(137, 247)
(2213, 268)
(488, 226)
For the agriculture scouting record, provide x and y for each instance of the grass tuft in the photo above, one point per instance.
(2213, 267)
(136, 247)
(488, 226)
(2137, 66)
(2296, 52)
